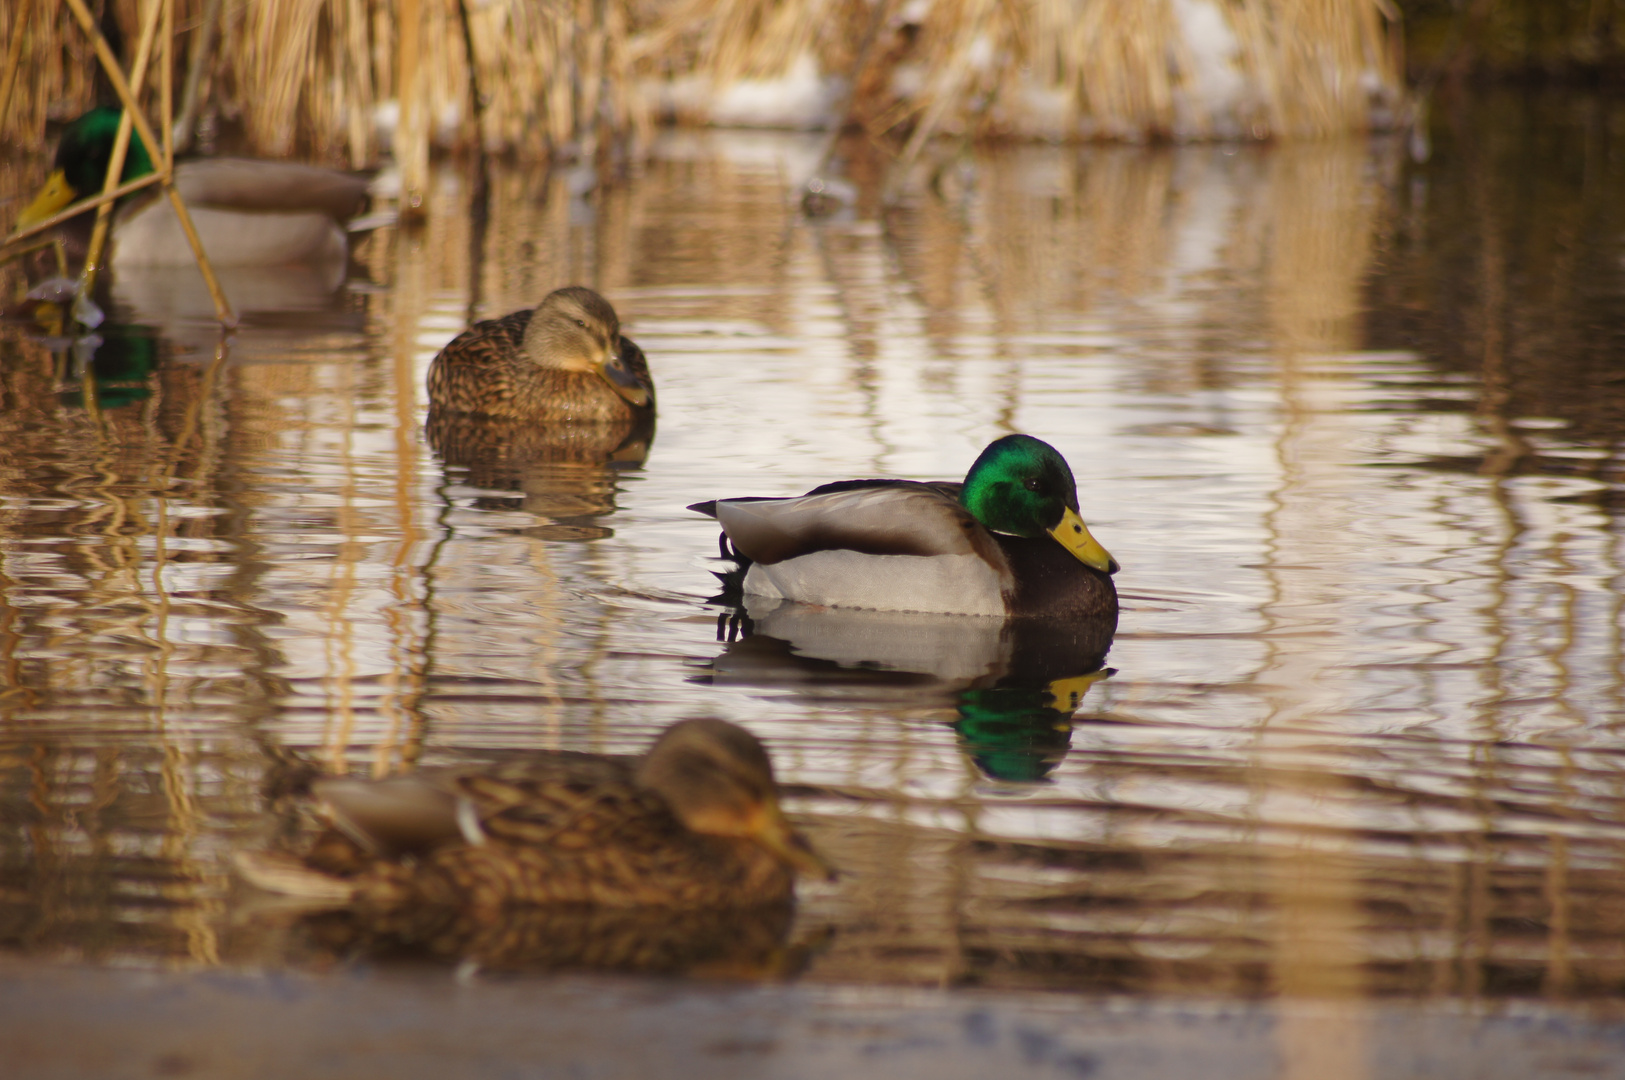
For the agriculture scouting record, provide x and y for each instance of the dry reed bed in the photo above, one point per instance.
(558, 76)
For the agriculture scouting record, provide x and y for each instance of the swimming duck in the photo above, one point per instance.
(248, 212)
(1006, 541)
(695, 822)
(565, 359)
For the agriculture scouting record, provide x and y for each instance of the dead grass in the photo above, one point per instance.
(558, 76)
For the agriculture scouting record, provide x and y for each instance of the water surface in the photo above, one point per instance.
(1350, 422)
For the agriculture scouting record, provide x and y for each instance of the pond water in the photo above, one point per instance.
(1352, 423)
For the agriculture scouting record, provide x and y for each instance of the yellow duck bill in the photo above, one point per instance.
(1072, 534)
(53, 195)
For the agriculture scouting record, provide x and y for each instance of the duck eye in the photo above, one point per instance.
(1031, 483)
(581, 323)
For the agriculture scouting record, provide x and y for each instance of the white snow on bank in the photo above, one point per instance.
(1214, 95)
(801, 99)
(386, 121)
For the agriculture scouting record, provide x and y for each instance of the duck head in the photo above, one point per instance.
(1023, 486)
(575, 329)
(80, 167)
(717, 779)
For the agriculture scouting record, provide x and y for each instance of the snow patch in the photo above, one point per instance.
(1214, 93)
(800, 99)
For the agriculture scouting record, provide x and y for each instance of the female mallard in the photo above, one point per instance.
(247, 212)
(563, 360)
(1007, 541)
(693, 823)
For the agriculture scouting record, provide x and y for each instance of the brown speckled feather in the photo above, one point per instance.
(734, 942)
(484, 371)
(558, 829)
(563, 831)
(625, 851)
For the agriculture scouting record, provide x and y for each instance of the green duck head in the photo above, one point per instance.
(82, 156)
(1022, 486)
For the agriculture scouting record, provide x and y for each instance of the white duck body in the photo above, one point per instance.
(247, 213)
(892, 547)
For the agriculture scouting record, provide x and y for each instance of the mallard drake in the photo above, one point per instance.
(695, 822)
(247, 212)
(1007, 541)
(564, 359)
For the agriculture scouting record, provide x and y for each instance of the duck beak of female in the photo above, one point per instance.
(774, 833)
(616, 372)
(53, 196)
(1073, 535)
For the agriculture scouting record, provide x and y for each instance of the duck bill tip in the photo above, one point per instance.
(623, 382)
(1071, 533)
(793, 849)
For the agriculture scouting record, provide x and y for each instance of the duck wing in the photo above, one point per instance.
(475, 369)
(396, 816)
(870, 517)
(270, 187)
(523, 802)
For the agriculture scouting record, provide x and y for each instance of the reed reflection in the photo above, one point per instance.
(107, 853)
(1012, 684)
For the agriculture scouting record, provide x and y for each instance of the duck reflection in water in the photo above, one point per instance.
(1012, 684)
(678, 860)
(108, 364)
(564, 474)
(550, 402)
(752, 943)
(118, 364)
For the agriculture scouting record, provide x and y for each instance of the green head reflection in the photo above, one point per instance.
(118, 364)
(1020, 733)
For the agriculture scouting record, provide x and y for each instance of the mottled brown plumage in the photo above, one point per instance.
(564, 360)
(737, 942)
(694, 823)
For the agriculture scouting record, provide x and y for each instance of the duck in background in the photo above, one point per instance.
(563, 361)
(248, 212)
(1008, 541)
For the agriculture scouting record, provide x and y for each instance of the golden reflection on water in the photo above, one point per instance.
(1362, 735)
